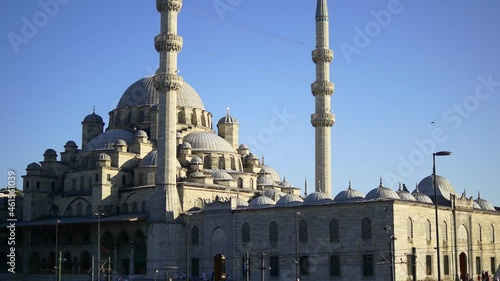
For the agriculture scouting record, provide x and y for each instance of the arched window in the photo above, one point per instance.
(73, 184)
(492, 233)
(53, 186)
(125, 207)
(180, 117)
(141, 116)
(410, 228)
(303, 236)
(479, 232)
(206, 162)
(129, 117)
(273, 232)
(90, 182)
(69, 211)
(245, 233)
(251, 184)
(334, 230)
(143, 206)
(445, 231)
(428, 232)
(203, 120)
(27, 185)
(233, 164)
(222, 163)
(37, 184)
(134, 207)
(366, 228)
(88, 212)
(54, 211)
(141, 178)
(84, 261)
(79, 209)
(82, 182)
(194, 236)
(240, 183)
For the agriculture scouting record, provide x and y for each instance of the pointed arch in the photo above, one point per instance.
(303, 231)
(273, 232)
(366, 228)
(410, 228)
(140, 253)
(245, 233)
(194, 236)
(334, 230)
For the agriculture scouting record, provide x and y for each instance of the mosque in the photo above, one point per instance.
(160, 193)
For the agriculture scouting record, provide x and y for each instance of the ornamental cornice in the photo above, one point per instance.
(168, 5)
(322, 88)
(168, 82)
(168, 42)
(322, 55)
(322, 119)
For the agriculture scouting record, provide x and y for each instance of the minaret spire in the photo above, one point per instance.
(322, 89)
(167, 82)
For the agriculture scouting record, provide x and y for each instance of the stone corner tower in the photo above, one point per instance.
(322, 89)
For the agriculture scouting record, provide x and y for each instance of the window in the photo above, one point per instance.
(233, 164)
(492, 233)
(428, 231)
(274, 266)
(37, 184)
(79, 209)
(109, 177)
(478, 265)
(125, 207)
(82, 182)
(27, 185)
(410, 228)
(445, 231)
(304, 265)
(90, 182)
(446, 262)
(89, 210)
(366, 228)
(134, 207)
(334, 230)
(69, 212)
(86, 236)
(240, 183)
(367, 265)
(245, 233)
(206, 162)
(409, 264)
(428, 264)
(141, 116)
(194, 236)
(480, 232)
(222, 163)
(96, 177)
(273, 232)
(144, 206)
(73, 184)
(195, 267)
(53, 186)
(334, 265)
(303, 231)
(141, 179)
(493, 265)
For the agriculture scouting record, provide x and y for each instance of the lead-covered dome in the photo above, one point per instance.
(444, 187)
(271, 172)
(208, 142)
(93, 118)
(404, 194)
(143, 92)
(381, 193)
(274, 194)
(318, 197)
(484, 204)
(261, 201)
(289, 200)
(349, 195)
(107, 139)
(420, 197)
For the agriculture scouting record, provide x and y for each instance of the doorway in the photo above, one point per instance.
(463, 266)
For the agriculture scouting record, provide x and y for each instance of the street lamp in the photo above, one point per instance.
(440, 153)
(155, 272)
(98, 245)
(187, 243)
(297, 273)
(392, 250)
(56, 268)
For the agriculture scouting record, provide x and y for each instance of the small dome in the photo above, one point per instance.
(349, 195)
(196, 161)
(484, 204)
(228, 119)
(420, 197)
(476, 206)
(381, 193)
(285, 184)
(186, 145)
(405, 195)
(318, 197)
(265, 181)
(274, 194)
(221, 175)
(208, 142)
(261, 201)
(70, 144)
(252, 156)
(243, 146)
(289, 199)
(150, 160)
(240, 202)
(120, 142)
(50, 152)
(104, 157)
(141, 134)
(444, 187)
(270, 171)
(93, 118)
(34, 166)
(197, 175)
(107, 139)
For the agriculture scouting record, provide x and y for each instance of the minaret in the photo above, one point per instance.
(167, 83)
(322, 89)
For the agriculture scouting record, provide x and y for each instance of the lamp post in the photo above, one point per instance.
(392, 250)
(440, 153)
(155, 272)
(297, 273)
(187, 244)
(56, 268)
(99, 245)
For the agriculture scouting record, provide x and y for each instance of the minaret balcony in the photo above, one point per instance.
(325, 88)
(322, 119)
(168, 5)
(168, 42)
(322, 55)
(168, 82)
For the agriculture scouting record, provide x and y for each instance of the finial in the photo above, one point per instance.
(305, 187)
(284, 178)
(349, 184)
(227, 111)
(399, 189)
(380, 182)
(416, 188)
(262, 159)
(318, 187)
(478, 195)
(93, 110)
(321, 9)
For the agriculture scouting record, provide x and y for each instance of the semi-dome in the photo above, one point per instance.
(240, 202)
(420, 197)
(107, 139)
(120, 142)
(33, 166)
(197, 174)
(381, 192)
(289, 199)
(221, 175)
(261, 201)
(270, 171)
(265, 181)
(103, 157)
(150, 159)
(141, 134)
(208, 142)
(484, 204)
(93, 118)
(143, 92)
(476, 206)
(349, 195)
(274, 194)
(444, 187)
(318, 197)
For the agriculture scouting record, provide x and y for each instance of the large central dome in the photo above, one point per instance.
(143, 92)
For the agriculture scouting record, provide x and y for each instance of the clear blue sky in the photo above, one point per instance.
(394, 77)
